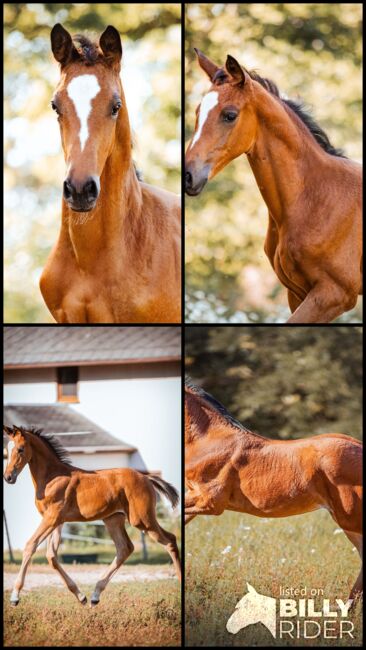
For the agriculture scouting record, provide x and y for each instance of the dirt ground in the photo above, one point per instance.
(44, 576)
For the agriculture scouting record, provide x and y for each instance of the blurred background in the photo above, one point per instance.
(312, 51)
(282, 382)
(34, 164)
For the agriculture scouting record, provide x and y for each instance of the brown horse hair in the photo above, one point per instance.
(298, 107)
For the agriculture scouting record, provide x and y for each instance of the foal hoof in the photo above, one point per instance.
(84, 601)
(93, 603)
(14, 603)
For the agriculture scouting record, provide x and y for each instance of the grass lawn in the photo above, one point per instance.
(133, 614)
(224, 553)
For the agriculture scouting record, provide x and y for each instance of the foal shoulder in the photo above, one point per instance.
(160, 200)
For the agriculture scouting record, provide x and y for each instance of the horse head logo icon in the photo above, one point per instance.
(253, 608)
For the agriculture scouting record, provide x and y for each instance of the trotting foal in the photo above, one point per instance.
(67, 493)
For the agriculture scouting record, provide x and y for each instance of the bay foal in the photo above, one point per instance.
(228, 467)
(117, 258)
(313, 193)
(67, 493)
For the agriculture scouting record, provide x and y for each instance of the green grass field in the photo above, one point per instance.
(131, 614)
(300, 551)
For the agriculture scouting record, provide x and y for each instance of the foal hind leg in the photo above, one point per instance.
(124, 547)
(356, 591)
(169, 540)
(51, 554)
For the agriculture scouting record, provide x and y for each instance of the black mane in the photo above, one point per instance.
(52, 442)
(297, 107)
(220, 408)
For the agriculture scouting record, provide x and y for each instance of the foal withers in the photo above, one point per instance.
(117, 258)
(67, 493)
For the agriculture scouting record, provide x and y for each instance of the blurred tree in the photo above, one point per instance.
(283, 382)
(311, 51)
(34, 165)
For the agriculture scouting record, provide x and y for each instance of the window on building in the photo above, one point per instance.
(67, 384)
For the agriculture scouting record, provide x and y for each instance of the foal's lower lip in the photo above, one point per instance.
(195, 192)
(82, 209)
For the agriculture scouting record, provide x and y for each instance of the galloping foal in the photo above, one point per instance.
(117, 258)
(312, 191)
(228, 467)
(67, 493)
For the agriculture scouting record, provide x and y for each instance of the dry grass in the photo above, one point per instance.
(137, 614)
(293, 552)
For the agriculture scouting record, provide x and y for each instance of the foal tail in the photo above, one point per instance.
(165, 488)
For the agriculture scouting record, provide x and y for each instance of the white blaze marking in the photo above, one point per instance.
(81, 91)
(209, 101)
(11, 446)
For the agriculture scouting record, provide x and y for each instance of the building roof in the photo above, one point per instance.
(77, 433)
(49, 345)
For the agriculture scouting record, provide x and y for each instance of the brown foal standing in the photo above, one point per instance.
(313, 193)
(67, 493)
(117, 258)
(228, 467)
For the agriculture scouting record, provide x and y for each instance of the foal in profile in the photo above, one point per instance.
(117, 258)
(312, 191)
(68, 493)
(228, 467)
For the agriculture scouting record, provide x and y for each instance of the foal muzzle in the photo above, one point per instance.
(196, 178)
(81, 197)
(11, 478)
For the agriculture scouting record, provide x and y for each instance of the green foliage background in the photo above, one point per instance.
(283, 382)
(34, 165)
(311, 51)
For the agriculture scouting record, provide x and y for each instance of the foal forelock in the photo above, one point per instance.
(82, 90)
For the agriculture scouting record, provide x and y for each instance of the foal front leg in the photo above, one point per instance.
(52, 546)
(323, 304)
(42, 532)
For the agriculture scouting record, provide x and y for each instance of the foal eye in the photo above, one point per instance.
(20, 449)
(54, 108)
(116, 108)
(229, 116)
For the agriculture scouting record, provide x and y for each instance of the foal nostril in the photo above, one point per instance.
(91, 190)
(67, 190)
(188, 180)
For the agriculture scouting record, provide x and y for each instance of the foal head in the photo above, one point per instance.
(225, 123)
(90, 104)
(19, 453)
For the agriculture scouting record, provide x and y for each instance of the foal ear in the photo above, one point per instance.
(62, 46)
(235, 70)
(8, 430)
(208, 66)
(111, 46)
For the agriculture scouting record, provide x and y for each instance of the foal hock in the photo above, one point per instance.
(313, 193)
(228, 467)
(117, 258)
(67, 493)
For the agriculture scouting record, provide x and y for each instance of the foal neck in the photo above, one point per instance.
(44, 465)
(283, 156)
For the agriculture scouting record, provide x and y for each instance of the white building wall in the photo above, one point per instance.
(145, 413)
(32, 386)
